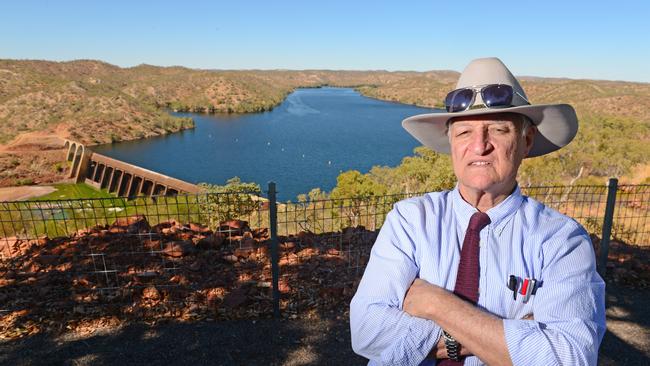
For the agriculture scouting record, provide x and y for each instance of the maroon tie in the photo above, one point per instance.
(468, 268)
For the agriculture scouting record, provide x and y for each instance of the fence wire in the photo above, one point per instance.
(632, 215)
(188, 256)
(207, 256)
(324, 248)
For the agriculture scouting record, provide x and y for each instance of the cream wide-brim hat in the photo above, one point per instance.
(557, 124)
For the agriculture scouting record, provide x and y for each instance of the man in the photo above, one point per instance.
(482, 274)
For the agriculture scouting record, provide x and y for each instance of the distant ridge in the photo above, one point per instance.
(94, 102)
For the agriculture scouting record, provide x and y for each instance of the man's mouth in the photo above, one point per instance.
(480, 163)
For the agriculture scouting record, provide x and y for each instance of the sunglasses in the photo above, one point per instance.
(493, 95)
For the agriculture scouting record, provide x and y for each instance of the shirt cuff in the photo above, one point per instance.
(422, 335)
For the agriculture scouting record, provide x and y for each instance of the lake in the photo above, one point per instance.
(304, 143)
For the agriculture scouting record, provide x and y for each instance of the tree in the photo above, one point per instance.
(353, 193)
(235, 200)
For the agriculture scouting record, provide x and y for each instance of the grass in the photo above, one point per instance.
(66, 191)
(57, 217)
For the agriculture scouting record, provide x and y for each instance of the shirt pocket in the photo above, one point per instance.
(514, 308)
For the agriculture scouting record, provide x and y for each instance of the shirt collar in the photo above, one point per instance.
(498, 214)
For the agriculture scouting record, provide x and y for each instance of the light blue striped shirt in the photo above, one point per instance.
(422, 237)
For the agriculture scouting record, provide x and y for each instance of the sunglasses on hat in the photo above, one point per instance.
(493, 95)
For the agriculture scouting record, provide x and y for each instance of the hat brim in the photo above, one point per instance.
(557, 125)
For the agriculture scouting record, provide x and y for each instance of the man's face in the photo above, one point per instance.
(487, 150)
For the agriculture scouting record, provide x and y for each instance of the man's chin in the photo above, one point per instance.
(491, 186)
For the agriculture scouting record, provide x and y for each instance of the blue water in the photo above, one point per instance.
(303, 143)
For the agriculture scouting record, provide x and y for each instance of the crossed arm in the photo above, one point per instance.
(480, 333)
(396, 318)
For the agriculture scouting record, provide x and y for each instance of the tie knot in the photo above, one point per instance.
(478, 221)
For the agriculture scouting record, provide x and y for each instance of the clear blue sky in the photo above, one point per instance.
(576, 39)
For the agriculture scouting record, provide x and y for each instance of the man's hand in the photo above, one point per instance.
(419, 298)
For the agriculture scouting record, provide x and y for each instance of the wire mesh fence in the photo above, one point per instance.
(191, 256)
(585, 204)
(210, 255)
(632, 215)
(324, 248)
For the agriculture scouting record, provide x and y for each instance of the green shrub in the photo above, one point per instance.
(24, 182)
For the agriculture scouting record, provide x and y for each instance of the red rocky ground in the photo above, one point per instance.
(132, 271)
(110, 275)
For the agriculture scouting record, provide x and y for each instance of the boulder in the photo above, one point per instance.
(151, 293)
(212, 241)
(247, 241)
(132, 224)
(233, 227)
(178, 249)
(7, 246)
(198, 228)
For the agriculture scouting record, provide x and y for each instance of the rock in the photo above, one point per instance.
(247, 241)
(30, 267)
(187, 236)
(163, 225)
(7, 282)
(307, 253)
(47, 260)
(132, 225)
(283, 286)
(180, 280)
(289, 259)
(235, 298)
(79, 309)
(7, 246)
(215, 294)
(198, 228)
(306, 238)
(177, 249)
(83, 232)
(151, 244)
(212, 241)
(233, 227)
(230, 258)
(244, 252)
(40, 242)
(196, 266)
(151, 293)
(287, 245)
(262, 252)
(262, 233)
(624, 257)
(333, 252)
(146, 275)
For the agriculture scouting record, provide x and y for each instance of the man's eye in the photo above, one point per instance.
(461, 133)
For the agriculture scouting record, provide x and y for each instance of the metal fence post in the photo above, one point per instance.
(612, 188)
(273, 222)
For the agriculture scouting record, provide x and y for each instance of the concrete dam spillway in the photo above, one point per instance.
(120, 178)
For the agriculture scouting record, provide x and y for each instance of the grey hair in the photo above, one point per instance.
(526, 123)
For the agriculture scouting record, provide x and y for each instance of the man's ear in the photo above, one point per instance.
(530, 137)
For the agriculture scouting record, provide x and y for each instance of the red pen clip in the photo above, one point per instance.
(527, 288)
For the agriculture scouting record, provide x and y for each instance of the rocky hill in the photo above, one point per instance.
(95, 102)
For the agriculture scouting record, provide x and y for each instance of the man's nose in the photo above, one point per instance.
(481, 143)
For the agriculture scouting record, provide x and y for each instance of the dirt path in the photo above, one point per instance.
(50, 139)
(24, 193)
(283, 342)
